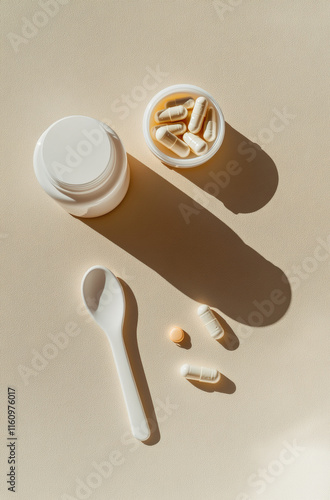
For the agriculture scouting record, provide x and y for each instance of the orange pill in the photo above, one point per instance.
(176, 335)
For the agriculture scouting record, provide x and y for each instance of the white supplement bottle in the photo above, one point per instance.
(82, 164)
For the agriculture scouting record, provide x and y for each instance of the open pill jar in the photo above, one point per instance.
(82, 164)
(158, 102)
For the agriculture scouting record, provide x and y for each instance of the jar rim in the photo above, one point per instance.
(182, 162)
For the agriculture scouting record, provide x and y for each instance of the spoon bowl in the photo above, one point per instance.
(104, 297)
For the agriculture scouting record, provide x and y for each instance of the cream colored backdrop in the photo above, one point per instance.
(264, 433)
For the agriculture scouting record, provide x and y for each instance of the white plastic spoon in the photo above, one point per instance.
(104, 298)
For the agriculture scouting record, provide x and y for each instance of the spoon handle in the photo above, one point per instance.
(137, 418)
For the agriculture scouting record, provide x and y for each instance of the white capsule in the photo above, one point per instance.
(172, 142)
(197, 115)
(171, 114)
(187, 102)
(210, 322)
(175, 128)
(200, 373)
(196, 144)
(210, 126)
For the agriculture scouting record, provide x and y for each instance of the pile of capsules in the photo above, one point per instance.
(177, 335)
(202, 117)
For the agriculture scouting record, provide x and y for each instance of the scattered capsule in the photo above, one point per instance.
(197, 115)
(172, 142)
(171, 114)
(187, 102)
(200, 373)
(210, 127)
(175, 128)
(196, 144)
(210, 322)
(177, 335)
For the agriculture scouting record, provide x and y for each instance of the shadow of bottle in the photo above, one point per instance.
(130, 339)
(240, 174)
(193, 250)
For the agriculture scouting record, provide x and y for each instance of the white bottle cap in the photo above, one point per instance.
(76, 153)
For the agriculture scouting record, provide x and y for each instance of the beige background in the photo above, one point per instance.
(257, 59)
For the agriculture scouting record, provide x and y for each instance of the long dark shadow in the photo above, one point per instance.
(193, 250)
(240, 174)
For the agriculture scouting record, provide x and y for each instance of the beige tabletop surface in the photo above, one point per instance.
(252, 241)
